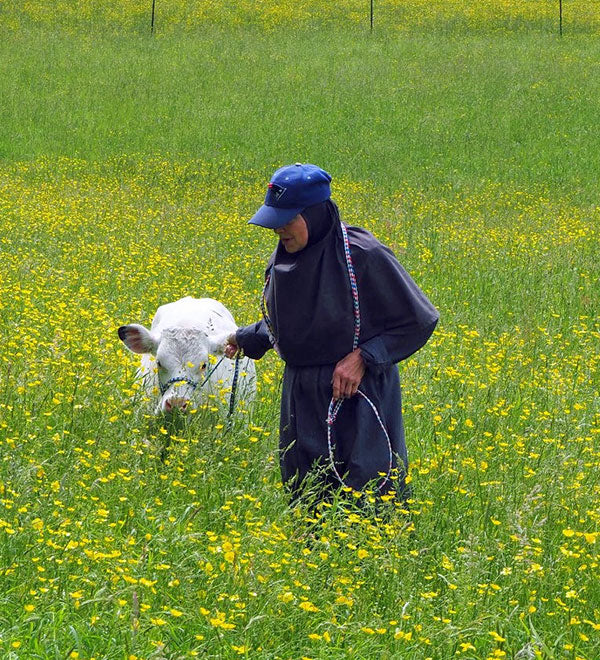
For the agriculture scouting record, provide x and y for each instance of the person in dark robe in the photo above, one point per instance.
(336, 334)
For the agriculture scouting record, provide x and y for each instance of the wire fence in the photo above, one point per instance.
(452, 16)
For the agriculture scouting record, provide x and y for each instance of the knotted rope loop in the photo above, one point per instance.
(334, 408)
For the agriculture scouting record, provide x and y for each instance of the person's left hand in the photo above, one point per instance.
(231, 347)
(347, 375)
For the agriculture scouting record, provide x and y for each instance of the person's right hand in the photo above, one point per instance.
(231, 347)
(347, 375)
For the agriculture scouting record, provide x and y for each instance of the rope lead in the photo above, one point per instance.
(336, 404)
(234, 382)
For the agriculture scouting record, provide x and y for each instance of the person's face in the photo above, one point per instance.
(294, 235)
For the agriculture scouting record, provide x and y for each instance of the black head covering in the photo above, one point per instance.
(319, 220)
(309, 299)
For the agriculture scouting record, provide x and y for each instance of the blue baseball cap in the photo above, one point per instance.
(292, 189)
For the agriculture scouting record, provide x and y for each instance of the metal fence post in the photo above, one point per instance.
(560, 17)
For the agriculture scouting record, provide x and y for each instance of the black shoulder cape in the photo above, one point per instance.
(310, 305)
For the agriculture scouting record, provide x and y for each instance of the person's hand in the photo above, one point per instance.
(347, 375)
(231, 347)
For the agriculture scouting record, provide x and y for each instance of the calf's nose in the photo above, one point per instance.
(176, 402)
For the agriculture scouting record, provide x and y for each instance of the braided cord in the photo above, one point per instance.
(353, 286)
(236, 372)
(265, 313)
(336, 404)
(334, 407)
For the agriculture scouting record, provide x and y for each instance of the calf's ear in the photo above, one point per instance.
(217, 343)
(137, 338)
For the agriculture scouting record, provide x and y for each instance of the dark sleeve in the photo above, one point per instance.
(254, 340)
(398, 316)
(394, 346)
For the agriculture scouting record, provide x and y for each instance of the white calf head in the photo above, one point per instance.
(181, 361)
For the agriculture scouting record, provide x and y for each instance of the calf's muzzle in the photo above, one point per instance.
(176, 403)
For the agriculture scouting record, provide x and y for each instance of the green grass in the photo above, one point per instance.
(425, 109)
(129, 165)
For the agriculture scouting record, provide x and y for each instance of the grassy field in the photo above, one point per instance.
(464, 135)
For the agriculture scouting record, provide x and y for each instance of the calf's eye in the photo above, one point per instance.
(203, 366)
(159, 364)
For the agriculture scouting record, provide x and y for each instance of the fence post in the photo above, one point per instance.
(152, 21)
(371, 15)
(560, 17)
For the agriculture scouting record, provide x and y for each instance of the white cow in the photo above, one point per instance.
(175, 354)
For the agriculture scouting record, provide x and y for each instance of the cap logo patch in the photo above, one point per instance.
(276, 191)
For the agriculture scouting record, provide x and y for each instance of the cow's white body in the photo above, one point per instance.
(185, 341)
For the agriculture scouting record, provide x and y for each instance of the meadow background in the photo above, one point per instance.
(465, 136)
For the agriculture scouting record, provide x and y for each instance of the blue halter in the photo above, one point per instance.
(192, 383)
